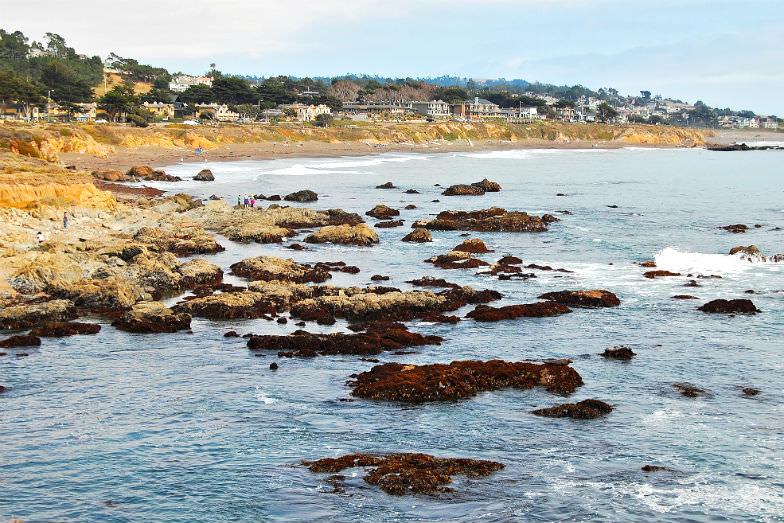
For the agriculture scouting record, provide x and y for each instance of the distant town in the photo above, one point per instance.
(49, 81)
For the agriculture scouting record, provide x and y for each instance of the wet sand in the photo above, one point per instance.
(730, 136)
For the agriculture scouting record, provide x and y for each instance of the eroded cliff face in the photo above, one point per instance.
(22, 195)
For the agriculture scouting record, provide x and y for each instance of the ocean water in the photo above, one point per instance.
(192, 427)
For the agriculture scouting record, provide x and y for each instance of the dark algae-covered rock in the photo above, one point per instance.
(486, 313)
(418, 235)
(205, 175)
(585, 299)
(493, 219)
(620, 352)
(689, 391)
(382, 212)
(721, 306)
(586, 409)
(658, 274)
(31, 315)
(460, 379)
(152, 317)
(301, 196)
(407, 473)
(377, 339)
(20, 341)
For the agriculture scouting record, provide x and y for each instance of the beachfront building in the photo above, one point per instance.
(181, 82)
(307, 113)
(219, 112)
(434, 108)
(161, 110)
(375, 108)
(477, 109)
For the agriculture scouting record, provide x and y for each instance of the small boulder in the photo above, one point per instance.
(586, 299)
(487, 185)
(736, 228)
(110, 175)
(28, 316)
(205, 175)
(359, 234)
(301, 196)
(658, 274)
(389, 224)
(748, 391)
(473, 245)
(418, 235)
(463, 190)
(150, 317)
(387, 185)
(382, 212)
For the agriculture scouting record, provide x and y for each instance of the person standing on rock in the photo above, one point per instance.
(246, 201)
(239, 200)
(65, 220)
(41, 237)
(252, 201)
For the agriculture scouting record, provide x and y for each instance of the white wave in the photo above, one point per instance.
(522, 154)
(671, 259)
(300, 169)
(260, 396)
(367, 161)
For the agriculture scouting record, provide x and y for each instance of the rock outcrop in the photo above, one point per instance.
(28, 316)
(301, 196)
(494, 219)
(23, 340)
(475, 189)
(619, 352)
(65, 328)
(418, 235)
(460, 379)
(485, 313)
(152, 317)
(738, 306)
(382, 212)
(586, 409)
(359, 234)
(269, 268)
(205, 175)
(144, 172)
(473, 245)
(585, 299)
(406, 474)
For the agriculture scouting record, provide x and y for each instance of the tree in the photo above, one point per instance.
(645, 94)
(606, 112)
(197, 94)
(323, 120)
(65, 86)
(119, 100)
(156, 95)
(233, 90)
(343, 90)
(450, 95)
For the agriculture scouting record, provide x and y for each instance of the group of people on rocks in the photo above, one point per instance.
(40, 236)
(249, 200)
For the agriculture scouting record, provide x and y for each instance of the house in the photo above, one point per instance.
(477, 109)
(221, 113)
(18, 111)
(566, 114)
(161, 110)
(181, 82)
(307, 113)
(432, 108)
(375, 108)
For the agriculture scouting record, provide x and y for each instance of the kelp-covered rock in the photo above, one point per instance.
(485, 313)
(145, 172)
(24, 340)
(359, 234)
(460, 379)
(183, 242)
(282, 293)
(382, 212)
(229, 305)
(301, 196)
(690, 391)
(487, 185)
(463, 190)
(493, 219)
(429, 281)
(586, 409)
(407, 474)
(456, 260)
(736, 228)
(32, 315)
(378, 338)
(737, 306)
(269, 268)
(65, 328)
(418, 235)
(585, 299)
(199, 272)
(250, 232)
(389, 224)
(659, 273)
(152, 317)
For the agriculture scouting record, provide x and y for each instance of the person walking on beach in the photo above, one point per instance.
(65, 220)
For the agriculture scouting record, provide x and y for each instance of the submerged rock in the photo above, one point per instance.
(658, 274)
(736, 228)
(460, 379)
(406, 474)
(494, 219)
(749, 391)
(229, 305)
(388, 185)
(619, 352)
(656, 468)
(456, 260)
(721, 306)
(65, 328)
(485, 313)
(382, 212)
(586, 409)
(689, 390)
(585, 299)
(28, 316)
(152, 317)
(389, 224)
(20, 341)
(359, 234)
(378, 338)
(301, 196)
(418, 235)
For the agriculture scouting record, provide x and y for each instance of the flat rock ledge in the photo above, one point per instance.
(586, 409)
(494, 219)
(460, 379)
(360, 234)
(405, 474)
(32, 315)
(738, 306)
(486, 313)
(152, 317)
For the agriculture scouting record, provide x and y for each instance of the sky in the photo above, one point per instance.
(725, 53)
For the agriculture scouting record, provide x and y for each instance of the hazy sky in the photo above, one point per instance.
(725, 53)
